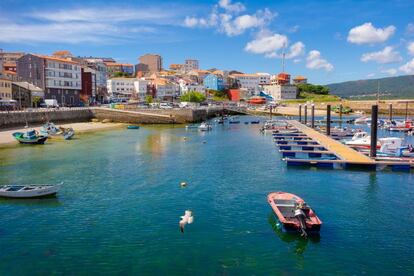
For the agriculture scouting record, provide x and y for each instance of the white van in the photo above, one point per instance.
(51, 103)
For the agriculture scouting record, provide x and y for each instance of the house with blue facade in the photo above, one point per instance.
(213, 82)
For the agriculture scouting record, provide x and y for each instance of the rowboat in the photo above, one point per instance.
(28, 191)
(29, 137)
(132, 127)
(51, 130)
(294, 213)
(68, 133)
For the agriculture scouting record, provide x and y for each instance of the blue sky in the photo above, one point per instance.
(327, 41)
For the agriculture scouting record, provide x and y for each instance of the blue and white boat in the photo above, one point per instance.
(30, 137)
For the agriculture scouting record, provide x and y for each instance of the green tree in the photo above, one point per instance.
(149, 99)
(194, 97)
(219, 95)
(36, 101)
(314, 89)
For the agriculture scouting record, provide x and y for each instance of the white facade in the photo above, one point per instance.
(166, 90)
(140, 87)
(63, 75)
(281, 92)
(252, 82)
(121, 87)
(186, 87)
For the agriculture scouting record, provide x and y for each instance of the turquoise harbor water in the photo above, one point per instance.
(119, 207)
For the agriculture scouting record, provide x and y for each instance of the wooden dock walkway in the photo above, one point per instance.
(343, 152)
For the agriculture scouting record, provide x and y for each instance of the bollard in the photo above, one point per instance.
(390, 115)
(374, 131)
(300, 113)
(306, 114)
(313, 115)
(328, 120)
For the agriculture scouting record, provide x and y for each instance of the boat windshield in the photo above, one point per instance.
(285, 202)
(14, 188)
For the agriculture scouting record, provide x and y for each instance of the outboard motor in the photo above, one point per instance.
(300, 215)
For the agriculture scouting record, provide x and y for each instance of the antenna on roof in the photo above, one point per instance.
(283, 58)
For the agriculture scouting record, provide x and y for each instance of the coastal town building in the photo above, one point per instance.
(187, 85)
(9, 58)
(300, 80)
(27, 95)
(121, 87)
(100, 70)
(165, 89)
(113, 68)
(252, 82)
(152, 61)
(88, 91)
(59, 78)
(5, 89)
(281, 92)
(176, 67)
(213, 82)
(141, 88)
(191, 64)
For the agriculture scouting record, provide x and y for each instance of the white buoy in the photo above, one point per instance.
(185, 138)
(183, 184)
(187, 218)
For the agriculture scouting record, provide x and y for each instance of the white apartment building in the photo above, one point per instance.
(252, 82)
(165, 88)
(281, 92)
(62, 74)
(121, 87)
(140, 87)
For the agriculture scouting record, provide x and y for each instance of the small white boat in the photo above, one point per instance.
(204, 127)
(363, 120)
(28, 191)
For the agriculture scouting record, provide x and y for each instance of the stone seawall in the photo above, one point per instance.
(138, 116)
(19, 118)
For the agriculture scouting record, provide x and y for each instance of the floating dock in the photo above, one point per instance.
(336, 153)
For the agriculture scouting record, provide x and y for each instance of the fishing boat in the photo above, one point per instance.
(403, 126)
(30, 137)
(28, 191)
(362, 120)
(361, 140)
(50, 129)
(204, 127)
(68, 133)
(294, 213)
(132, 127)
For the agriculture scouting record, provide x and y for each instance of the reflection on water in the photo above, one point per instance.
(291, 237)
(51, 201)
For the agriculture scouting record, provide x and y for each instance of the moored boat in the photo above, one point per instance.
(68, 133)
(294, 213)
(132, 127)
(28, 191)
(30, 137)
(204, 127)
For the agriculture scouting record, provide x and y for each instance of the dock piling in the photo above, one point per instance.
(306, 114)
(328, 120)
(374, 131)
(340, 116)
(390, 115)
(300, 113)
(313, 115)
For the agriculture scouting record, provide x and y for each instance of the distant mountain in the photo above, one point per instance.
(393, 87)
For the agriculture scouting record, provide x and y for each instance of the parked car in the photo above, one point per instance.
(51, 103)
(165, 106)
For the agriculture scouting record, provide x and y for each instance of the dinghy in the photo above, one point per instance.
(28, 191)
(294, 213)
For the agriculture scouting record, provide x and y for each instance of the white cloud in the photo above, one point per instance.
(387, 55)
(409, 30)
(106, 24)
(297, 60)
(315, 61)
(408, 68)
(371, 75)
(293, 29)
(391, 71)
(296, 50)
(368, 34)
(229, 7)
(268, 44)
(410, 48)
(226, 21)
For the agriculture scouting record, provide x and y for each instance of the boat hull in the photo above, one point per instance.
(47, 191)
(36, 141)
(283, 206)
